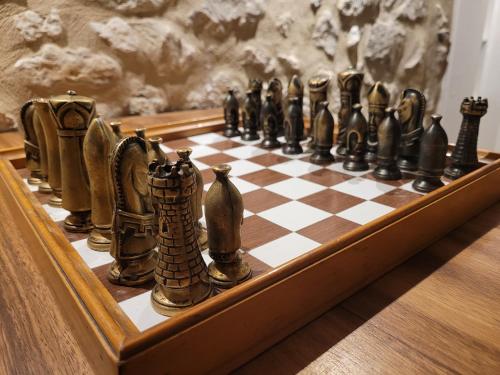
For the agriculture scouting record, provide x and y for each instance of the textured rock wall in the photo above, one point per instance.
(149, 56)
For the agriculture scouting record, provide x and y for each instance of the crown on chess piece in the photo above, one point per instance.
(474, 107)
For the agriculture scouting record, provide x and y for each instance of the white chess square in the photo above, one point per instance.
(243, 186)
(337, 167)
(245, 152)
(56, 213)
(91, 257)
(201, 166)
(140, 311)
(409, 187)
(294, 215)
(31, 187)
(165, 149)
(206, 257)
(284, 249)
(363, 188)
(365, 212)
(241, 167)
(279, 151)
(201, 150)
(203, 221)
(295, 188)
(208, 138)
(295, 168)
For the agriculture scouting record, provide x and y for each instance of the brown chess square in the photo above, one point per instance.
(331, 200)
(269, 159)
(328, 229)
(214, 159)
(406, 178)
(326, 177)
(257, 231)
(396, 198)
(225, 145)
(179, 143)
(208, 176)
(260, 200)
(264, 177)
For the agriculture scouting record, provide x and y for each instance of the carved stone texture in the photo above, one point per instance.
(135, 7)
(315, 5)
(284, 23)
(119, 34)
(147, 100)
(356, 8)
(290, 63)
(258, 62)
(208, 93)
(325, 33)
(6, 123)
(408, 10)
(31, 145)
(34, 27)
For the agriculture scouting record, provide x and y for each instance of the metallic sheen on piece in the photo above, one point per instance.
(31, 147)
(44, 186)
(231, 115)
(116, 126)
(388, 135)
(270, 124)
(251, 114)
(255, 87)
(296, 90)
(378, 100)
(141, 133)
(155, 152)
(464, 156)
(294, 127)
(356, 134)
(275, 88)
(323, 135)
(133, 231)
(181, 274)
(318, 91)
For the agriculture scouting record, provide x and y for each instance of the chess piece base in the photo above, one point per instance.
(456, 172)
(231, 132)
(55, 201)
(270, 143)
(44, 188)
(292, 149)
(227, 275)
(133, 272)
(99, 239)
(78, 222)
(371, 157)
(408, 164)
(341, 150)
(202, 237)
(355, 165)
(427, 184)
(390, 172)
(250, 136)
(33, 180)
(322, 157)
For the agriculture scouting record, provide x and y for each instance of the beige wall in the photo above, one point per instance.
(147, 56)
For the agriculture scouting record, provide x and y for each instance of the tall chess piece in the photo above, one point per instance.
(318, 90)
(116, 126)
(323, 135)
(31, 147)
(255, 87)
(356, 135)
(432, 158)
(44, 186)
(224, 214)
(270, 124)
(296, 90)
(411, 112)
(133, 231)
(275, 88)
(349, 82)
(388, 136)
(141, 133)
(464, 155)
(155, 152)
(294, 127)
(231, 115)
(181, 274)
(250, 118)
(378, 100)
(97, 148)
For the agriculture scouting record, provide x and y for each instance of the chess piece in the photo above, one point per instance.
(464, 155)
(432, 158)
(224, 215)
(74, 114)
(388, 136)
(155, 152)
(275, 88)
(294, 127)
(356, 133)
(378, 100)
(323, 135)
(31, 147)
(250, 118)
(44, 186)
(411, 112)
(349, 82)
(141, 133)
(98, 145)
(255, 87)
(181, 274)
(196, 198)
(318, 90)
(231, 115)
(270, 124)
(116, 126)
(133, 232)
(296, 90)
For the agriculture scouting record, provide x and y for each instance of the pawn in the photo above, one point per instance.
(323, 135)
(250, 118)
(294, 127)
(432, 157)
(224, 215)
(270, 124)
(388, 136)
(356, 132)
(231, 115)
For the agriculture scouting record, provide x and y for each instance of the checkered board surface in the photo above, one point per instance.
(291, 207)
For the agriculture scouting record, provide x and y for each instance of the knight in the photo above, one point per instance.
(378, 100)
(275, 88)
(323, 135)
(231, 115)
(318, 90)
(250, 118)
(270, 124)
(255, 87)
(31, 146)
(356, 134)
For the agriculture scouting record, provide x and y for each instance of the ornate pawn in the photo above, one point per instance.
(275, 88)
(231, 115)
(388, 135)
(464, 155)
(349, 82)
(323, 135)
(255, 87)
(357, 130)
(296, 90)
(318, 90)
(411, 112)
(270, 124)
(31, 147)
(133, 230)
(181, 274)
(432, 158)
(294, 127)
(250, 118)
(378, 100)
(224, 214)
(116, 126)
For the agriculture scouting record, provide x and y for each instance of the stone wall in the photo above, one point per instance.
(150, 56)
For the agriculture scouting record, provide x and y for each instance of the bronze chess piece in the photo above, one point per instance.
(318, 90)
(349, 82)
(141, 133)
(44, 186)
(275, 88)
(31, 147)
(250, 118)
(356, 134)
(270, 124)
(464, 156)
(224, 214)
(296, 90)
(411, 112)
(378, 100)
(181, 274)
(196, 198)
(155, 152)
(388, 136)
(133, 231)
(231, 115)
(116, 126)
(97, 148)
(323, 135)
(432, 158)
(294, 127)
(255, 87)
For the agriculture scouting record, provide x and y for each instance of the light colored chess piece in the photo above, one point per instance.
(31, 147)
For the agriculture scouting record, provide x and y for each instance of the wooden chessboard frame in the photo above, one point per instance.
(233, 327)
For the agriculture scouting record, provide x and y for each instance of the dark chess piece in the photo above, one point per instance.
(275, 88)
(296, 90)
(349, 82)
(378, 100)
(231, 115)
(31, 147)
(464, 155)
(250, 116)
(318, 90)
(356, 134)
(432, 158)
(270, 124)
(255, 87)
(411, 112)
(323, 136)
(294, 127)
(388, 135)
(141, 133)
(116, 126)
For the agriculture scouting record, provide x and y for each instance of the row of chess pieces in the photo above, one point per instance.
(395, 143)
(131, 200)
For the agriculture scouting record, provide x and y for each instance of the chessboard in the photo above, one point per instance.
(291, 208)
